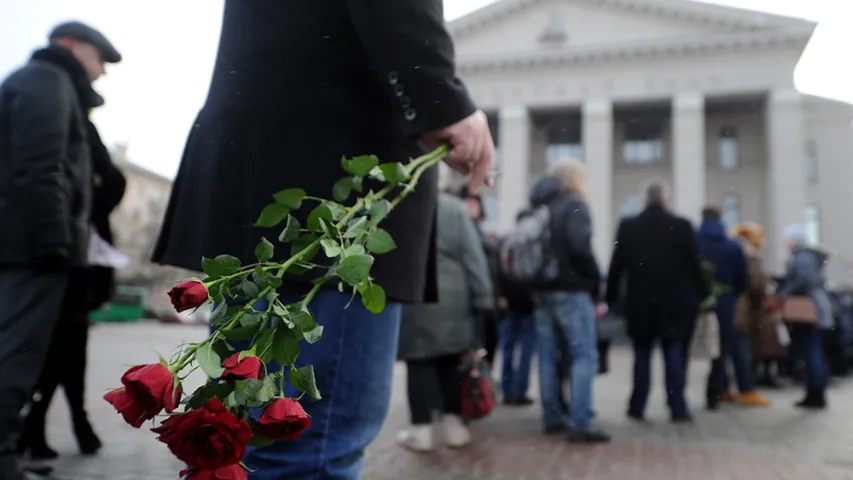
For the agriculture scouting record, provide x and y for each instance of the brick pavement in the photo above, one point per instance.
(779, 443)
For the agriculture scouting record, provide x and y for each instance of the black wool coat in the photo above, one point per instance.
(297, 85)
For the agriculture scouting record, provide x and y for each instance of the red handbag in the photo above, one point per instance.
(478, 388)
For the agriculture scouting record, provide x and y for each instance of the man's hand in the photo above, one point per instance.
(473, 148)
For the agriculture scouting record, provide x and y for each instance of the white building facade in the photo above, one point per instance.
(697, 97)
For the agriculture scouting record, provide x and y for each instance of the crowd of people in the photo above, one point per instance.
(665, 277)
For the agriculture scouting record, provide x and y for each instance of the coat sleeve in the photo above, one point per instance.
(476, 266)
(693, 260)
(578, 236)
(113, 183)
(617, 268)
(40, 119)
(412, 55)
(741, 274)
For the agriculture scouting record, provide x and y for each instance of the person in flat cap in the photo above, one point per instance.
(47, 185)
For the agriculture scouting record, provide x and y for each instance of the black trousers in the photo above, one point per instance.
(30, 302)
(66, 366)
(434, 385)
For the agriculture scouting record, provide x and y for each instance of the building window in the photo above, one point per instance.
(728, 149)
(563, 142)
(731, 210)
(811, 161)
(643, 143)
(813, 225)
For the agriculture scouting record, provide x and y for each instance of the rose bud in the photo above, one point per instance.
(148, 389)
(283, 419)
(236, 369)
(229, 472)
(188, 294)
(209, 437)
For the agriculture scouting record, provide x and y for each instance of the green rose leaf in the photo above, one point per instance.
(329, 229)
(394, 173)
(241, 334)
(354, 249)
(246, 392)
(321, 211)
(220, 266)
(342, 189)
(250, 289)
(357, 228)
(302, 243)
(291, 231)
(380, 210)
(261, 345)
(272, 215)
(206, 392)
(313, 336)
(264, 251)
(303, 379)
(259, 441)
(209, 361)
(373, 298)
(380, 242)
(219, 314)
(360, 166)
(285, 346)
(290, 198)
(354, 269)
(357, 183)
(331, 247)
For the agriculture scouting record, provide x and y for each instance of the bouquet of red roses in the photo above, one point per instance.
(210, 429)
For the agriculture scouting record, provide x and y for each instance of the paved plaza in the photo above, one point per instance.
(777, 443)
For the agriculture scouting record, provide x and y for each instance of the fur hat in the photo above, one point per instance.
(752, 232)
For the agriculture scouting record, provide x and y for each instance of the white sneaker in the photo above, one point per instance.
(456, 434)
(417, 438)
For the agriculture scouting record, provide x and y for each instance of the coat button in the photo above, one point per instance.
(411, 114)
(398, 90)
(405, 101)
(393, 77)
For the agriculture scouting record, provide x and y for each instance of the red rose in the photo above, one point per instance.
(230, 472)
(209, 437)
(188, 294)
(236, 369)
(283, 419)
(148, 389)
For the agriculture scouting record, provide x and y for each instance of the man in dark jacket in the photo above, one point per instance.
(45, 198)
(657, 254)
(297, 85)
(564, 306)
(731, 271)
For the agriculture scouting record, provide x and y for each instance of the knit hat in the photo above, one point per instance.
(752, 232)
(796, 234)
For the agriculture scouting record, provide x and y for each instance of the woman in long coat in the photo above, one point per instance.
(434, 336)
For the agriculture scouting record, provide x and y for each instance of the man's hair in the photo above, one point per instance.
(655, 194)
(711, 212)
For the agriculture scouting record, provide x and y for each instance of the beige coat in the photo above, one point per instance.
(751, 315)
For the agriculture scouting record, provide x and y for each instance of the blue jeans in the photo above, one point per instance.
(734, 345)
(354, 367)
(574, 316)
(516, 331)
(673, 358)
(807, 346)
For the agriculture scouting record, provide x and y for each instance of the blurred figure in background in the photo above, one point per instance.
(658, 257)
(46, 177)
(88, 289)
(805, 277)
(730, 270)
(564, 306)
(489, 320)
(754, 316)
(433, 337)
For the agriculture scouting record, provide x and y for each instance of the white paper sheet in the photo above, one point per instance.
(103, 254)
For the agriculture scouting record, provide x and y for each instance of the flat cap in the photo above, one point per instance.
(85, 33)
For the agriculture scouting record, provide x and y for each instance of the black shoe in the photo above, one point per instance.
(43, 452)
(682, 418)
(592, 436)
(554, 429)
(637, 417)
(87, 440)
(815, 400)
(518, 402)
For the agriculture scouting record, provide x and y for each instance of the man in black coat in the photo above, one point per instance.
(298, 84)
(45, 198)
(658, 255)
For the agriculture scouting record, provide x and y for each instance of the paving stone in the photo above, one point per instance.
(775, 443)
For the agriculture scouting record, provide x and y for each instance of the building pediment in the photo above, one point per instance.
(535, 27)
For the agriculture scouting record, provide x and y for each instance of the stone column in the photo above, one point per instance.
(786, 185)
(597, 131)
(688, 155)
(514, 182)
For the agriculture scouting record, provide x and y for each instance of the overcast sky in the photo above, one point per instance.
(169, 47)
